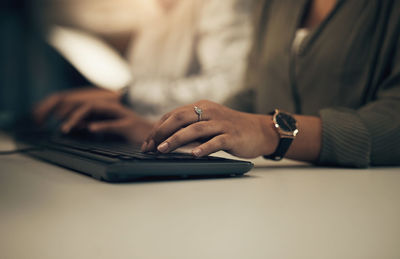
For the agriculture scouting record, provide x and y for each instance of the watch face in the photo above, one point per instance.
(286, 122)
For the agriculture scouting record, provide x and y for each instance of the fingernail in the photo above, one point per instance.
(196, 152)
(163, 147)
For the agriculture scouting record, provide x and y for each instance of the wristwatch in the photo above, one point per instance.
(286, 126)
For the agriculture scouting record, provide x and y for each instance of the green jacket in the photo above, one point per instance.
(347, 72)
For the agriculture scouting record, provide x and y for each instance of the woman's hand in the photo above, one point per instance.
(62, 104)
(241, 134)
(111, 118)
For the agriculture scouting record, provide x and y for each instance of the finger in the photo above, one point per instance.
(170, 123)
(44, 108)
(148, 144)
(114, 111)
(76, 117)
(220, 142)
(175, 122)
(64, 110)
(190, 134)
(144, 146)
(157, 125)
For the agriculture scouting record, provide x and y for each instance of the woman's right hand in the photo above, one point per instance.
(108, 117)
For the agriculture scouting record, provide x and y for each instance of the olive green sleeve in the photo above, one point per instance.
(369, 136)
(346, 140)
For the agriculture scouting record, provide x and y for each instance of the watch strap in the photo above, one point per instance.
(283, 147)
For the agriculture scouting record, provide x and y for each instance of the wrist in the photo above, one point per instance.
(270, 137)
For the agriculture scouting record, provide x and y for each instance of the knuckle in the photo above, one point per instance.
(213, 110)
(223, 141)
(179, 116)
(198, 127)
(165, 116)
(203, 104)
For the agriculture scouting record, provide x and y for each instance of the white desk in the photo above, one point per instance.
(281, 210)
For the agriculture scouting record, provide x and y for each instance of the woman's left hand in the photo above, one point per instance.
(241, 134)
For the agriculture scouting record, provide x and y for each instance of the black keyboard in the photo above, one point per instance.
(117, 161)
(119, 151)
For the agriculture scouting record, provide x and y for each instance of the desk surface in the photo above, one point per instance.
(280, 210)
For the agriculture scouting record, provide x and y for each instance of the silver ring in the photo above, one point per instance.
(199, 112)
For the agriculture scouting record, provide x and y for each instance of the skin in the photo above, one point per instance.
(319, 10)
(62, 104)
(120, 120)
(77, 108)
(241, 134)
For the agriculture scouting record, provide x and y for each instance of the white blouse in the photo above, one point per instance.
(198, 50)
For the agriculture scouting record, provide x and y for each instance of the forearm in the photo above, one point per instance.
(307, 145)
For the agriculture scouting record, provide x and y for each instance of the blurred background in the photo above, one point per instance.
(197, 47)
(29, 68)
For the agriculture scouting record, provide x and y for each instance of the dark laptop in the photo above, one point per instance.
(109, 159)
